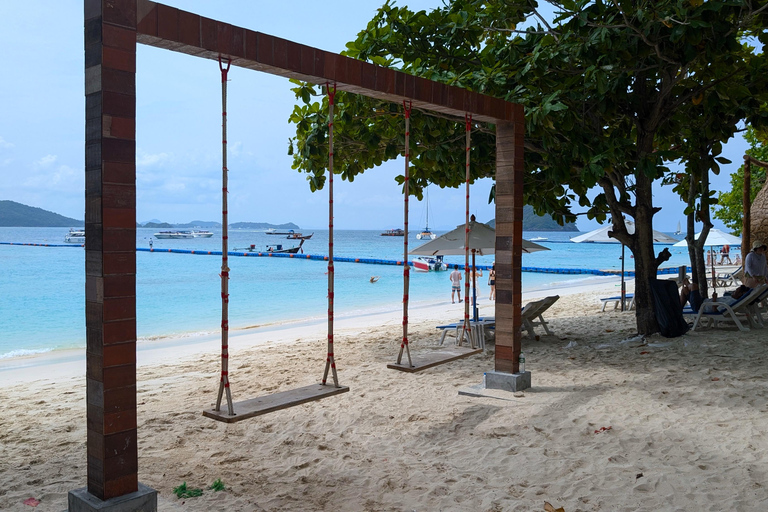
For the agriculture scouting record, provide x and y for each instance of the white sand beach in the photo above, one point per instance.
(609, 424)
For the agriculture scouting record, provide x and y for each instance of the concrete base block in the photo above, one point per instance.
(143, 500)
(508, 381)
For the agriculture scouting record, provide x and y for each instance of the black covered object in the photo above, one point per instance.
(669, 311)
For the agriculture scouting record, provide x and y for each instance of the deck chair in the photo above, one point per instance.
(457, 328)
(531, 315)
(757, 307)
(629, 302)
(732, 278)
(712, 314)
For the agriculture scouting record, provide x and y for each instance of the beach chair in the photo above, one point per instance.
(477, 332)
(757, 307)
(713, 313)
(629, 302)
(729, 278)
(531, 315)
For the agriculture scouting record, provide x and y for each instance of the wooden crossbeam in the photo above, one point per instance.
(435, 358)
(275, 402)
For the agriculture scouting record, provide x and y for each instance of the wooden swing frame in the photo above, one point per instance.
(113, 28)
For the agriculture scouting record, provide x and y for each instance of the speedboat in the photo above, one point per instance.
(75, 236)
(538, 239)
(172, 235)
(202, 234)
(427, 263)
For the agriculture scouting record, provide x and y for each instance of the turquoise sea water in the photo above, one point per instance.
(42, 304)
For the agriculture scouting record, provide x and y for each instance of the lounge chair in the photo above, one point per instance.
(731, 278)
(629, 302)
(712, 313)
(757, 307)
(477, 332)
(531, 315)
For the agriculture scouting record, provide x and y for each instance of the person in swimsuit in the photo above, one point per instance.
(492, 282)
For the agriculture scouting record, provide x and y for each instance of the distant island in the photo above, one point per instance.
(13, 214)
(17, 215)
(533, 222)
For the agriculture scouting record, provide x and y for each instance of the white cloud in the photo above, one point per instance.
(144, 159)
(44, 162)
(5, 144)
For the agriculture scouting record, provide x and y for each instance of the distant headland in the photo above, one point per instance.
(533, 222)
(13, 214)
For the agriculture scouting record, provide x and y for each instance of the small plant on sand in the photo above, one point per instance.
(183, 491)
(218, 485)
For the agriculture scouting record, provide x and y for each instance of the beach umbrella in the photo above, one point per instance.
(601, 236)
(482, 241)
(715, 238)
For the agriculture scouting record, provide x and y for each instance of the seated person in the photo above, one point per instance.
(689, 292)
(731, 297)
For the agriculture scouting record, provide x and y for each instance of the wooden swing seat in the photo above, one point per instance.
(435, 358)
(274, 402)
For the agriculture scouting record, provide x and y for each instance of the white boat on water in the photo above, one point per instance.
(173, 235)
(202, 234)
(75, 236)
(538, 239)
(427, 263)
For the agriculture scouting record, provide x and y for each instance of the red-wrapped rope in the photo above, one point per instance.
(407, 106)
(467, 327)
(224, 385)
(330, 362)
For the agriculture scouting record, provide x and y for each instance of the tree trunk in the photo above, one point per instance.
(645, 259)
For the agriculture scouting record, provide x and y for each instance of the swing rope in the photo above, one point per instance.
(406, 269)
(224, 383)
(467, 328)
(330, 361)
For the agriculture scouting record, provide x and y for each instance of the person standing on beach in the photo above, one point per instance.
(725, 254)
(455, 278)
(492, 282)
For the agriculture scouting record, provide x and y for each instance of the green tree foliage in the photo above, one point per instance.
(730, 207)
(604, 89)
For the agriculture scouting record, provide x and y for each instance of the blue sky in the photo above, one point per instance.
(179, 126)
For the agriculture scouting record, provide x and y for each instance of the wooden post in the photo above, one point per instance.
(746, 221)
(110, 260)
(509, 240)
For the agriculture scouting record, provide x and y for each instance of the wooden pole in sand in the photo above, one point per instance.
(746, 231)
(406, 269)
